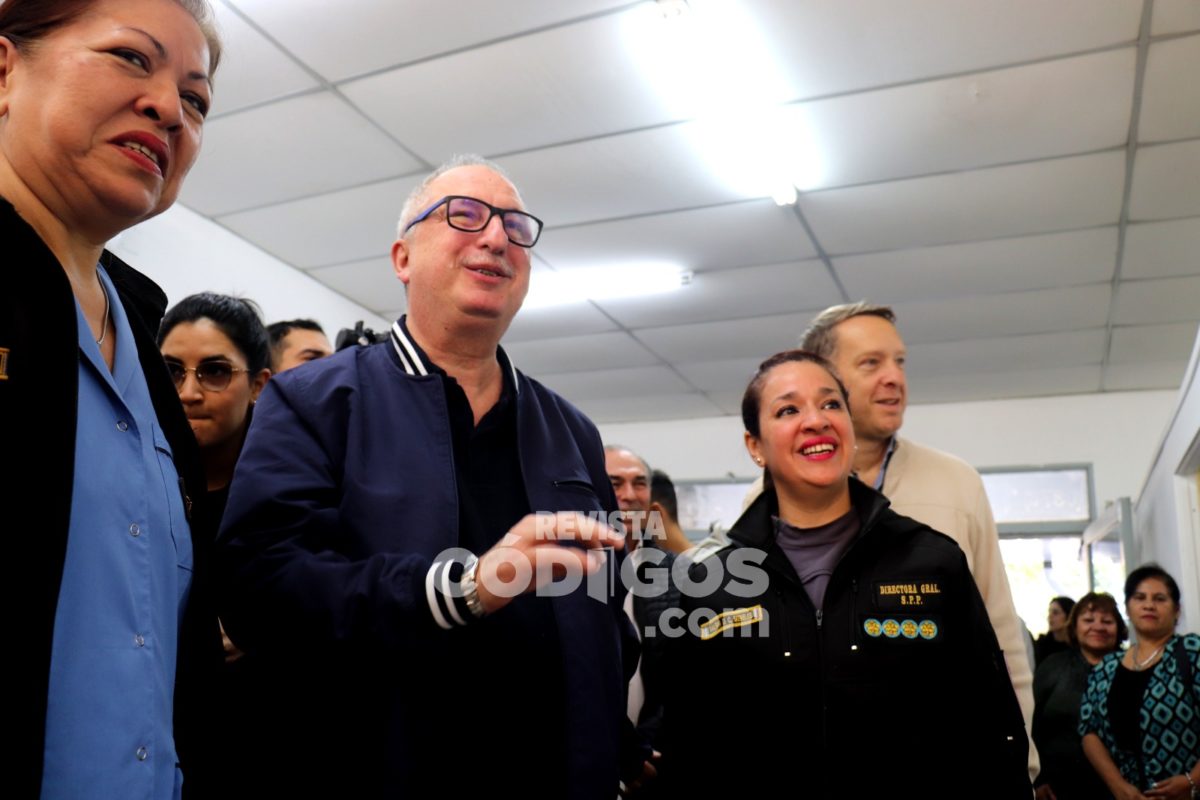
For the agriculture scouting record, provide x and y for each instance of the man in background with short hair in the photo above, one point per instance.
(295, 342)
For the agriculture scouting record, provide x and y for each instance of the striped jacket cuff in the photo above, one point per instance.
(444, 592)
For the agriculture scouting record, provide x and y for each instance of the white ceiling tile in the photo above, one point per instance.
(1162, 249)
(253, 69)
(370, 283)
(995, 385)
(1059, 194)
(834, 47)
(1171, 93)
(730, 294)
(618, 176)
(730, 402)
(575, 82)
(373, 34)
(1147, 302)
(718, 237)
(727, 375)
(655, 407)
(998, 265)
(742, 338)
(575, 319)
(571, 354)
(1047, 109)
(1175, 16)
(1145, 375)
(332, 228)
(1015, 313)
(1165, 178)
(580, 387)
(1006, 354)
(302, 146)
(1150, 343)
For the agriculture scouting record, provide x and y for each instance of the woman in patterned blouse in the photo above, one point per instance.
(1140, 716)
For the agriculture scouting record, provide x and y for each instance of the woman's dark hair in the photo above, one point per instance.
(26, 22)
(1103, 602)
(1065, 603)
(236, 317)
(1151, 571)
(752, 399)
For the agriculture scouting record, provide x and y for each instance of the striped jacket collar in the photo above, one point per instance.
(415, 362)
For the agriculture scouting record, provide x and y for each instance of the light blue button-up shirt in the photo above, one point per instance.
(126, 576)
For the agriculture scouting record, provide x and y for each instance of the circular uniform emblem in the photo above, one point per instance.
(909, 628)
(891, 628)
(873, 627)
(929, 629)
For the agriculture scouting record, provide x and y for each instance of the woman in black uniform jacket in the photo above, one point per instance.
(838, 649)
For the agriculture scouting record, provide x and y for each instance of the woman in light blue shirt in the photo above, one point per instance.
(102, 103)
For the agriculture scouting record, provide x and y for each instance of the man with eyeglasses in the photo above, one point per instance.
(381, 544)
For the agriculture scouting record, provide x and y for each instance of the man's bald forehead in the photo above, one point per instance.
(621, 450)
(426, 192)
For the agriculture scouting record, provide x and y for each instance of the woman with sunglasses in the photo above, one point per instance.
(217, 353)
(102, 109)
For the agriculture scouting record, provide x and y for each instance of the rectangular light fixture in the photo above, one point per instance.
(548, 288)
(709, 63)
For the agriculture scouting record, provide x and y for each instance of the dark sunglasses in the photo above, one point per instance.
(213, 376)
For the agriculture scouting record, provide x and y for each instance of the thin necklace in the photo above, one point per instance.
(1138, 666)
(104, 327)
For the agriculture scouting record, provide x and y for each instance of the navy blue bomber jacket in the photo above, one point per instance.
(343, 499)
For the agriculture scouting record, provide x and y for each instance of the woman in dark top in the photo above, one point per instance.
(217, 351)
(1095, 629)
(834, 647)
(1140, 715)
(1057, 638)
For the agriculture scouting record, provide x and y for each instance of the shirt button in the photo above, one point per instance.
(139, 641)
(122, 425)
(134, 530)
(142, 754)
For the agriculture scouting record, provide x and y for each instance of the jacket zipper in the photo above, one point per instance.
(853, 616)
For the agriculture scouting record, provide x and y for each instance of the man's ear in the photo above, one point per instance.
(400, 260)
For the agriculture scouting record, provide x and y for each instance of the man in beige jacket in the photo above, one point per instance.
(928, 485)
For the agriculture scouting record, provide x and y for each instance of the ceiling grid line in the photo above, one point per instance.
(1127, 191)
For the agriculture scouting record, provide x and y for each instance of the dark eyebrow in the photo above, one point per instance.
(162, 53)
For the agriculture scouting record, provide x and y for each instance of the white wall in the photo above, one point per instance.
(185, 253)
(1165, 521)
(1115, 432)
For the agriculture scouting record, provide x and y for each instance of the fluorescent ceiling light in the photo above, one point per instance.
(556, 288)
(709, 63)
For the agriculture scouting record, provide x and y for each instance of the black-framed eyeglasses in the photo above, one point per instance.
(471, 215)
(213, 376)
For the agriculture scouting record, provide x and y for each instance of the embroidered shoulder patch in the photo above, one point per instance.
(728, 620)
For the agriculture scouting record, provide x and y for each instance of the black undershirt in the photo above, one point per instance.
(505, 670)
(1125, 706)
